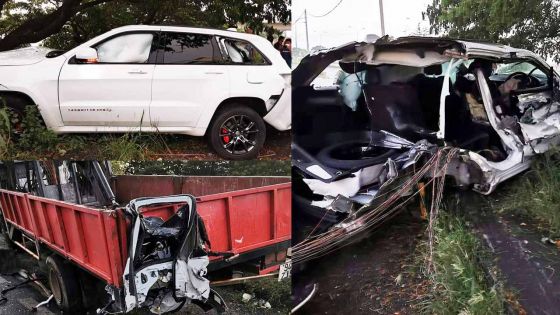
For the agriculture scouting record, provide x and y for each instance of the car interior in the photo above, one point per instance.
(338, 137)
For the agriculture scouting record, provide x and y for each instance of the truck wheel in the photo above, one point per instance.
(64, 284)
(237, 133)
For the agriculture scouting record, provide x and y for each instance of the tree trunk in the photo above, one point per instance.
(41, 27)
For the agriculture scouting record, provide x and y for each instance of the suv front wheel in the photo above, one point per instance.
(237, 133)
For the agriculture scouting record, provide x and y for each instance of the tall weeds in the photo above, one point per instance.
(537, 192)
(458, 277)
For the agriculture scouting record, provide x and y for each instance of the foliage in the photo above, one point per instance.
(34, 135)
(537, 192)
(35, 141)
(123, 148)
(67, 23)
(529, 24)
(5, 129)
(210, 168)
(458, 278)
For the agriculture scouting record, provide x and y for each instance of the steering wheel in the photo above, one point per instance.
(527, 80)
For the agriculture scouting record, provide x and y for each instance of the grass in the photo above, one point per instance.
(536, 194)
(37, 142)
(458, 278)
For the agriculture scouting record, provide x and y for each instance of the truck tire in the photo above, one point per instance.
(237, 133)
(64, 284)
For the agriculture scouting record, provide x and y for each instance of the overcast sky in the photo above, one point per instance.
(354, 19)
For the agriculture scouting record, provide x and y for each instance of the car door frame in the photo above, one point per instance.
(72, 61)
(208, 110)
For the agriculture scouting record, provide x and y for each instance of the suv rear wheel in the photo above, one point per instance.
(237, 133)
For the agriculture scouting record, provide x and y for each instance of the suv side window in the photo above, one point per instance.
(187, 48)
(242, 52)
(128, 48)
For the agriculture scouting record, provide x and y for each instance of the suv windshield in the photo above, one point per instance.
(521, 66)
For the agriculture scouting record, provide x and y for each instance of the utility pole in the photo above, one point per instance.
(382, 18)
(306, 29)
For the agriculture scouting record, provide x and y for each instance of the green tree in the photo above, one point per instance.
(67, 23)
(529, 24)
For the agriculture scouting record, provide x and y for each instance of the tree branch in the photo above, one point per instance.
(41, 27)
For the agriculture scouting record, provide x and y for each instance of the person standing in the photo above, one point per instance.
(286, 51)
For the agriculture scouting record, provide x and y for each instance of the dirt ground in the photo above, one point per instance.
(180, 147)
(24, 298)
(276, 147)
(373, 276)
(380, 275)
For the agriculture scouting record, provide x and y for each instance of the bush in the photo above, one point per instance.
(537, 192)
(35, 141)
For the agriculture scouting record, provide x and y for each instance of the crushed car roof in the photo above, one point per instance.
(316, 61)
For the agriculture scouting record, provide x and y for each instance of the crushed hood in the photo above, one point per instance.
(23, 56)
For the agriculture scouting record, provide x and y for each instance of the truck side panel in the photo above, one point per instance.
(87, 236)
(242, 220)
(96, 240)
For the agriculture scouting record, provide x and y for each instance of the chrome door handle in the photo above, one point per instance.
(137, 72)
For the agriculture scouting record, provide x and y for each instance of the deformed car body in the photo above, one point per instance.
(396, 101)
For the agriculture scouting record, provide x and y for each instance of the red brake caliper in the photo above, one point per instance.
(225, 135)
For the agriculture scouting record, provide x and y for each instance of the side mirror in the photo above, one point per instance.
(87, 55)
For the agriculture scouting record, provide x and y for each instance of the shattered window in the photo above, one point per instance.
(130, 48)
(242, 52)
(506, 69)
(523, 66)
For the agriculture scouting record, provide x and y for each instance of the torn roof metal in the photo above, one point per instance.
(409, 51)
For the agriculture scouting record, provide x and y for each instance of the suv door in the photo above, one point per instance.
(116, 90)
(189, 79)
(251, 72)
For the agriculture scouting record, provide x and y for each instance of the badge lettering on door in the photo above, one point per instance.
(90, 109)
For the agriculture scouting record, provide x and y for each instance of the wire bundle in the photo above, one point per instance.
(371, 216)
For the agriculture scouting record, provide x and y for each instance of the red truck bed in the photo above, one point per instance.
(237, 222)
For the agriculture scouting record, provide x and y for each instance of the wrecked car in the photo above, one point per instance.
(486, 109)
(157, 252)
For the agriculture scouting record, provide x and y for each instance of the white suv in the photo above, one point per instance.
(167, 79)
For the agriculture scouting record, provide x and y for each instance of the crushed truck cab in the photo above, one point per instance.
(157, 252)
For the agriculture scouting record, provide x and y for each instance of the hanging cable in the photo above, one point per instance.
(329, 12)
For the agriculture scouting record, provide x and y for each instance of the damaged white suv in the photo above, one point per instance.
(192, 81)
(396, 103)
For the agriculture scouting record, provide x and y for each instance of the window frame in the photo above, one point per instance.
(151, 61)
(216, 53)
(227, 58)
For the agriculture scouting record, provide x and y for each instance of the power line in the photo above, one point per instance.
(329, 12)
